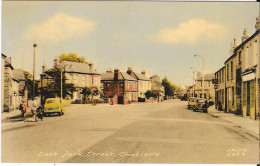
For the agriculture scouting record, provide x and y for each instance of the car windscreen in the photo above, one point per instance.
(201, 101)
(52, 101)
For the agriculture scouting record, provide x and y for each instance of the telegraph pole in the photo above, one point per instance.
(34, 68)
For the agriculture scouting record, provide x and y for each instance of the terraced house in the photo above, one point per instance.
(241, 81)
(120, 87)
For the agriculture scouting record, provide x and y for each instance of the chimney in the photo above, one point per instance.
(109, 71)
(116, 74)
(245, 35)
(257, 25)
(143, 72)
(130, 71)
(235, 43)
(91, 66)
(231, 49)
(199, 74)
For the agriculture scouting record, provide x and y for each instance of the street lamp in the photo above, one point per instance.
(34, 69)
(203, 62)
(194, 81)
(61, 80)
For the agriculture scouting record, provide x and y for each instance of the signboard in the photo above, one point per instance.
(214, 81)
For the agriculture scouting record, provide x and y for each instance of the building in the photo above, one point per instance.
(79, 74)
(209, 91)
(120, 87)
(9, 86)
(220, 90)
(144, 83)
(157, 88)
(239, 89)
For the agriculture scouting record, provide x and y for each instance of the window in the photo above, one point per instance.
(239, 58)
(209, 83)
(127, 85)
(201, 84)
(75, 79)
(231, 70)
(233, 100)
(228, 72)
(92, 80)
(83, 82)
(134, 85)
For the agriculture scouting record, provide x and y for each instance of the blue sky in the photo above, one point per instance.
(159, 37)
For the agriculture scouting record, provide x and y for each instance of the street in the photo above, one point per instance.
(164, 132)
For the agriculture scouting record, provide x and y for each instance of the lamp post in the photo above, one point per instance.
(34, 69)
(203, 63)
(194, 81)
(61, 80)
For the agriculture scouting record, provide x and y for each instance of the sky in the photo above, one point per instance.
(158, 37)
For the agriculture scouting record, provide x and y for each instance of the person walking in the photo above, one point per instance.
(34, 109)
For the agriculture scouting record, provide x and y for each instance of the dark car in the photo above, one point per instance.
(201, 105)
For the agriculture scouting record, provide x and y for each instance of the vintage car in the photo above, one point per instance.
(191, 103)
(201, 105)
(53, 105)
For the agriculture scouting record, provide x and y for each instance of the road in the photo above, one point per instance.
(139, 133)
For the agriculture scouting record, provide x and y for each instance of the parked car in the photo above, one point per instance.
(184, 97)
(53, 105)
(201, 105)
(191, 103)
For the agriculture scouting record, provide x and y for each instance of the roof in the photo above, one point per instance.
(140, 76)
(207, 77)
(77, 67)
(18, 74)
(220, 69)
(242, 44)
(122, 76)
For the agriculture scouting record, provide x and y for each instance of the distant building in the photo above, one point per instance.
(221, 89)
(157, 87)
(120, 87)
(209, 91)
(19, 75)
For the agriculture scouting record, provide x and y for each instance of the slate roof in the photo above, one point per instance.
(18, 74)
(76, 67)
(122, 76)
(207, 77)
(140, 76)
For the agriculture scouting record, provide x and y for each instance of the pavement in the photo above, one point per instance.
(242, 122)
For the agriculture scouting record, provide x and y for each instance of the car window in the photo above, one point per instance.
(52, 101)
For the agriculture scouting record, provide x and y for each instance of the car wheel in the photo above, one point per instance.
(60, 113)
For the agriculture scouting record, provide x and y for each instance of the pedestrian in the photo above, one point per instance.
(24, 107)
(34, 108)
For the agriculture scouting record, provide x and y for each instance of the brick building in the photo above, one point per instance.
(121, 87)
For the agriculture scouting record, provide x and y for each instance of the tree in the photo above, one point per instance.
(169, 89)
(53, 87)
(72, 57)
(29, 83)
(86, 92)
(149, 94)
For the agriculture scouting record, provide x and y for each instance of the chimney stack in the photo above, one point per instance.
(56, 62)
(130, 71)
(245, 35)
(91, 66)
(235, 43)
(116, 74)
(144, 72)
(257, 25)
(231, 49)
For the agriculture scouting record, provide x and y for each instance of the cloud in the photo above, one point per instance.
(60, 27)
(190, 32)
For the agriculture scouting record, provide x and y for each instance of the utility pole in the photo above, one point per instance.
(34, 69)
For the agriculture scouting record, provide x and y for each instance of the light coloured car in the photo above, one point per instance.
(191, 103)
(53, 105)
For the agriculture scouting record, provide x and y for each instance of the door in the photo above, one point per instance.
(120, 99)
(248, 100)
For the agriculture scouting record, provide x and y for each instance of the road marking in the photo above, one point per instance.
(172, 141)
(184, 120)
